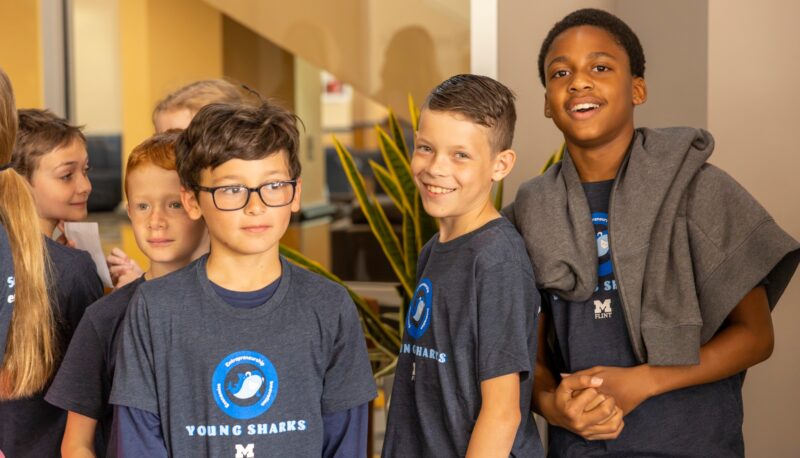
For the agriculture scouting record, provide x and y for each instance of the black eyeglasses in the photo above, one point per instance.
(236, 197)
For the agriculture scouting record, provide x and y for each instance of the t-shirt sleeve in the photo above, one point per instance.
(134, 376)
(345, 433)
(507, 301)
(348, 378)
(736, 245)
(6, 289)
(81, 383)
(138, 433)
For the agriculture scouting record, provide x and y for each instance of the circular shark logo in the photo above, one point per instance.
(244, 384)
(419, 310)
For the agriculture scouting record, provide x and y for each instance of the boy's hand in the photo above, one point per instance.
(62, 239)
(629, 386)
(578, 406)
(123, 269)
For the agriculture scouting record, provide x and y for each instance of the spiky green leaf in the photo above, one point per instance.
(389, 185)
(397, 163)
(498, 196)
(376, 218)
(410, 244)
(397, 135)
(414, 112)
(554, 158)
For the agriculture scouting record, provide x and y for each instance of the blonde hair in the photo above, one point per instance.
(195, 96)
(31, 351)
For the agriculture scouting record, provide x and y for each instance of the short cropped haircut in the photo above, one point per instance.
(40, 132)
(198, 94)
(221, 132)
(158, 150)
(618, 29)
(480, 99)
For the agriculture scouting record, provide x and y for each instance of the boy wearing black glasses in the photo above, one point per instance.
(242, 353)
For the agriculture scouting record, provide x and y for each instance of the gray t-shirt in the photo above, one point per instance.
(228, 381)
(6, 290)
(699, 421)
(472, 318)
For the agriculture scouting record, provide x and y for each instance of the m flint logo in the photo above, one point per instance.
(602, 309)
(245, 451)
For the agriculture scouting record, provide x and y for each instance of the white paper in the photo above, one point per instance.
(86, 236)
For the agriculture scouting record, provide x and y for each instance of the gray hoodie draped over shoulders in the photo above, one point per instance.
(688, 242)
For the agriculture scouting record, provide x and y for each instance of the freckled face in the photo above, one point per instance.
(162, 228)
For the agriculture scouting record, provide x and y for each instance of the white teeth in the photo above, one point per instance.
(438, 190)
(585, 106)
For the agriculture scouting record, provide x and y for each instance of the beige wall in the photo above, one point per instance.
(98, 100)
(754, 59)
(384, 49)
(21, 50)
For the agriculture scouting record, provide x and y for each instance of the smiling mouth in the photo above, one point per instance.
(438, 189)
(584, 107)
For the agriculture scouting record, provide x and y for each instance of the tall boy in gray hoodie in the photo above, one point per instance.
(659, 270)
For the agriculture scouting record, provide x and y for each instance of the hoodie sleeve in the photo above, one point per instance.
(736, 245)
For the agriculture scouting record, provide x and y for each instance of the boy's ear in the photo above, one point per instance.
(297, 191)
(503, 163)
(190, 204)
(547, 112)
(639, 87)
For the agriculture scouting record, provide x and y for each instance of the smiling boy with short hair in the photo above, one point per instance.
(660, 269)
(463, 380)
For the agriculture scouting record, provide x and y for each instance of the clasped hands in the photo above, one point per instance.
(593, 402)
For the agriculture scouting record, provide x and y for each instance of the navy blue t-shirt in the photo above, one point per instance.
(699, 421)
(344, 432)
(31, 426)
(6, 289)
(83, 382)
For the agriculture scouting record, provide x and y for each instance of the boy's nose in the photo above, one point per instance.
(254, 205)
(581, 82)
(84, 185)
(437, 165)
(157, 220)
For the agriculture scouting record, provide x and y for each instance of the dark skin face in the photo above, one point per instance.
(590, 96)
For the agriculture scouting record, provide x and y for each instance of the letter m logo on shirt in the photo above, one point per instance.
(602, 310)
(245, 451)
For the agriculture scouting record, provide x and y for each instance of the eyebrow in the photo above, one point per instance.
(240, 179)
(63, 164)
(593, 55)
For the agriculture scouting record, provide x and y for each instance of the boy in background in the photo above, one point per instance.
(464, 375)
(168, 237)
